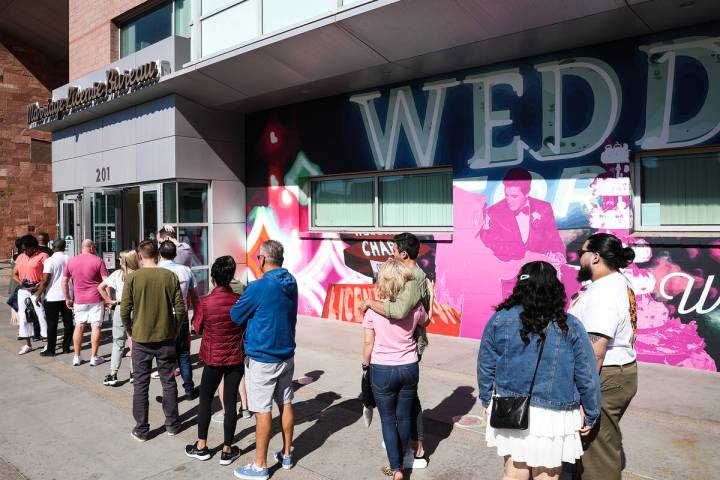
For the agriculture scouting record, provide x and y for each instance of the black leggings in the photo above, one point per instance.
(209, 383)
(53, 311)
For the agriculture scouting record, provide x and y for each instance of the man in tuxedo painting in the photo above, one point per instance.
(520, 224)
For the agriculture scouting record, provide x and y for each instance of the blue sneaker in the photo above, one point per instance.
(286, 462)
(251, 472)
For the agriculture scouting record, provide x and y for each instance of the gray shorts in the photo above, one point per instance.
(266, 382)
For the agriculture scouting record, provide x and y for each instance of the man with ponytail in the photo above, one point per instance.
(607, 309)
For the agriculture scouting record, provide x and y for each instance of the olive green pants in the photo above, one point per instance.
(603, 457)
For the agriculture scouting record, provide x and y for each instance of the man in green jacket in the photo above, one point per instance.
(416, 291)
(152, 309)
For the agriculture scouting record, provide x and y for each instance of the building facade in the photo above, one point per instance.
(29, 70)
(498, 134)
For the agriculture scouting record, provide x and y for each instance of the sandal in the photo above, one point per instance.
(388, 472)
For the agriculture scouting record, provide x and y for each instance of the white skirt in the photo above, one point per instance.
(552, 437)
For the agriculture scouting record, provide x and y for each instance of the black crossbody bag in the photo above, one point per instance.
(514, 412)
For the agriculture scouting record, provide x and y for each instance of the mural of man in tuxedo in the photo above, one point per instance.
(520, 224)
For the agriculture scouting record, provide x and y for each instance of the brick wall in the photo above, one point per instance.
(26, 198)
(93, 35)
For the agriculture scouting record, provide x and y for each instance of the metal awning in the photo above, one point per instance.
(401, 40)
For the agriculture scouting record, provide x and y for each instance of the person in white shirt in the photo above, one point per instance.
(607, 310)
(168, 252)
(54, 301)
(129, 262)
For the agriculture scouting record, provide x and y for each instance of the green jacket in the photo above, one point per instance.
(152, 306)
(414, 291)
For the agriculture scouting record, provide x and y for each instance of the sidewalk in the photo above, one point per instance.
(60, 422)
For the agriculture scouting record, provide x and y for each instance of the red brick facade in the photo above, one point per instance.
(93, 35)
(26, 198)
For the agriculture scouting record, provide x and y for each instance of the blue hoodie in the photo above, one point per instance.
(269, 309)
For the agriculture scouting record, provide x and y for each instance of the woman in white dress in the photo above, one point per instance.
(531, 345)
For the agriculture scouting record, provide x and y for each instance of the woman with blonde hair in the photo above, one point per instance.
(129, 262)
(390, 352)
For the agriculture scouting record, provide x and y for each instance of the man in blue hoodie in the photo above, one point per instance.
(268, 310)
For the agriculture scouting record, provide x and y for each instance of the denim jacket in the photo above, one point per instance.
(566, 378)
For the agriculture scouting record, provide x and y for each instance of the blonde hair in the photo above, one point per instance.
(129, 262)
(391, 278)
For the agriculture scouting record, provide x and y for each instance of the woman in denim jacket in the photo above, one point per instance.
(565, 400)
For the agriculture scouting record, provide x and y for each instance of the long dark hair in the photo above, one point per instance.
(542, 297)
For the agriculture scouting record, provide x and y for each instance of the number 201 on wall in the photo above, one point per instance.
(102, 174)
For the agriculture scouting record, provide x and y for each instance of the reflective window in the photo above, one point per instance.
(679, 190)
(169, 203)
(348, 202)
(171, 18)
(279, 14)
(193, 202)
(197, 238)
(231, 27)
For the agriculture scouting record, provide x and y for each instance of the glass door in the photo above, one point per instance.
(150, 210)
(70, 223)
(103, 219)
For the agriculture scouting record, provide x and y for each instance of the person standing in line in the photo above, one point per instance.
(221, 350)
(54, 303)
(152, 309)
(129, 262)
(87, 271)
(184, 251)
(28, 273)
(268, 311)
(43, 241)
(416, 291)
(168, 252)
(531, 347)
(608, 311)
(390, 352)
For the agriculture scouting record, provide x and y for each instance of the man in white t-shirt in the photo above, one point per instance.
(168, 251)
(607, 310)
(54, 302)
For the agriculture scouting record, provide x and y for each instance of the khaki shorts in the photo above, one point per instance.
(90, 313)
(266, 382)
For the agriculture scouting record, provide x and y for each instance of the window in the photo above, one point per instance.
(185, 207)
(418, 200)
(677, 191)
(171, 18)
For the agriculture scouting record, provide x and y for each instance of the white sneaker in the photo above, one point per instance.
(25, 349)
(413, 462)
(95, 361)
(155, 375)
(76, 361)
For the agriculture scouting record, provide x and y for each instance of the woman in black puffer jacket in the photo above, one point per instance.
(221, 349)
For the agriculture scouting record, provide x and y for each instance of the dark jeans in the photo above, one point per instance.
(142, 358)
(182, 347)
(53, 311)
(395, 390)
(210, 381)
(417, 429)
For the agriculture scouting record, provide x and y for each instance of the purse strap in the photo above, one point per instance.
(532, 383)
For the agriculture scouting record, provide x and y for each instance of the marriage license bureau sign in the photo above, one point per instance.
(117, 83)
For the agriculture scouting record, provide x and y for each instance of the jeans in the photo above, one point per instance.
(395, 389)
(119, 335)
(142, 358)
(211, 377)
(182, 347)
(53, 311)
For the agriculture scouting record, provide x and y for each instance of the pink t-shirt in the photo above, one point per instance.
(394, 342)
(86, 271)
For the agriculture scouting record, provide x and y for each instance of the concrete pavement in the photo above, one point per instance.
(59, 421)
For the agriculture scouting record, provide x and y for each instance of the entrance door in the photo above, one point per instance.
(150, 210)
(70, 223)
(103, 222)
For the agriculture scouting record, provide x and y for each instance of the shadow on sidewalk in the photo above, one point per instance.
(439, 421)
